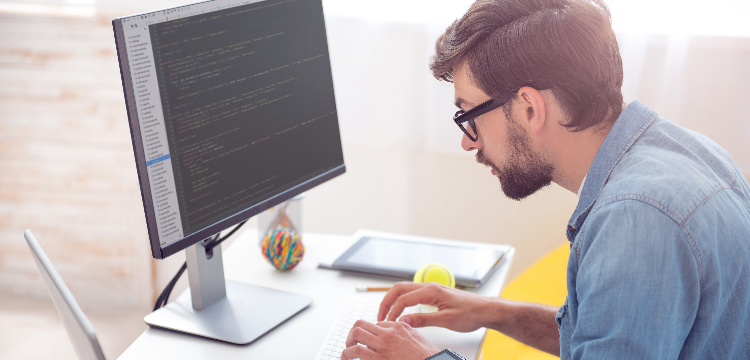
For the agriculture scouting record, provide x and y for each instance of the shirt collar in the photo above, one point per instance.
(581, 187)
(631, 123)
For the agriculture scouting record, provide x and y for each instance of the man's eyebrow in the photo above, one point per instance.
(459, 102)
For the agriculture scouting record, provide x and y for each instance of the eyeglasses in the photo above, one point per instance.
(468, 116)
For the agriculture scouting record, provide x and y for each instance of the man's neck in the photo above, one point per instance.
(574, 154)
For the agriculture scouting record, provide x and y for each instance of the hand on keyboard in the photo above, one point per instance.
(356, 307)
(386, 340)
(457, 310)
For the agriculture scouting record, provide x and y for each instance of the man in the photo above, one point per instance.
(659, 266)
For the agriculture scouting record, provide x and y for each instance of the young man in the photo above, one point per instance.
(659, 266)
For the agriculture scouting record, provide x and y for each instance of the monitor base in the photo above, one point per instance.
(245, 314)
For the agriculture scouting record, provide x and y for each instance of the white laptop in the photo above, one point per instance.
(79, 328)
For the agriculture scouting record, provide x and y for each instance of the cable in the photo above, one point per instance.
(164, 297)
(215, 242)
(211, 242)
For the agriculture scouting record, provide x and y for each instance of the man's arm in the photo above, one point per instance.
(531, 324)
(458, 310)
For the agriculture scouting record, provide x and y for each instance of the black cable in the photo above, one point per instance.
(163, 298)
(215, 242)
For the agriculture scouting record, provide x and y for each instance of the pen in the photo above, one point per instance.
(386, 288)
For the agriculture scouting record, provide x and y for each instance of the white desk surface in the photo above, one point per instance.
(301, 336)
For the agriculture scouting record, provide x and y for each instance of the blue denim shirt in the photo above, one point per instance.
(659, 266)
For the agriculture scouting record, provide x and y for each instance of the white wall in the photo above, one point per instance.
(405, 169)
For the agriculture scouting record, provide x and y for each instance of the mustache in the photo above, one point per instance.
(484, 160)
(488, 163)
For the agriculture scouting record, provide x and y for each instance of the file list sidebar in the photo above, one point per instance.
(153, 133)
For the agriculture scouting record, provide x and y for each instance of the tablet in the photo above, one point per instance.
(400, 258)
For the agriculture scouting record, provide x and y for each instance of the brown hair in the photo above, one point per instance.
(567, 46)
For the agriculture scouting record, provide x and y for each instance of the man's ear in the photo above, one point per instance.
(534, 112)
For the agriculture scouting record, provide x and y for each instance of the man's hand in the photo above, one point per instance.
(531, 324)
(457, 310)
(386, 340)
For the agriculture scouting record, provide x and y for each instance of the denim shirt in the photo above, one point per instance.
(659, 266)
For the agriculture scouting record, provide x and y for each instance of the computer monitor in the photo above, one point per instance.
(232, 111)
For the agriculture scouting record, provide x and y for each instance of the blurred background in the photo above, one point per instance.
(67, 170)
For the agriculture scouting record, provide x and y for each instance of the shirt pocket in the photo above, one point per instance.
(561, 313)
(563, 326)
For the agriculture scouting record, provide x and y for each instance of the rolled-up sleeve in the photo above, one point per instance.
(637, 287)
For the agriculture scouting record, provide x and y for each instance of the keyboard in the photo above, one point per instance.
(360, 306)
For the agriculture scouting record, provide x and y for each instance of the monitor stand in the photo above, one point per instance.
(229, 311)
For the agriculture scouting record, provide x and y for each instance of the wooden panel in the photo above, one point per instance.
(68, 172)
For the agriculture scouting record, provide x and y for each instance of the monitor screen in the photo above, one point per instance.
(231, 109)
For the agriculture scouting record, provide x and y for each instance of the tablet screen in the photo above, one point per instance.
(392, 256)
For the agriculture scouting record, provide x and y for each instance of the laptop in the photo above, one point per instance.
(77, 325)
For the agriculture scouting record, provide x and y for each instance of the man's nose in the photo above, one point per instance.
(469, 145)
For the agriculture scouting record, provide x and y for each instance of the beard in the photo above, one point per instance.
(524, 172)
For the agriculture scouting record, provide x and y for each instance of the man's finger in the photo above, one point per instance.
(367, 326)
(357, 352)
(426, 295)
(392, 324)
(393, 294)
(422, 320)
(360, 335)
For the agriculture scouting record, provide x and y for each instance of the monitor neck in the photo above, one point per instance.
(205, 275)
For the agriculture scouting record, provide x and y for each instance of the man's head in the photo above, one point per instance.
(555, 56)
(566, 45)
(503, 143)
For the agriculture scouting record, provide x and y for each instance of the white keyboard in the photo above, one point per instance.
(356, 307)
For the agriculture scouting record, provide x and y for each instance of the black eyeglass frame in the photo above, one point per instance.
(461, 116)
(469, 115)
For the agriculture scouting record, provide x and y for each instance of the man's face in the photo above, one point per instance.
(503, 143)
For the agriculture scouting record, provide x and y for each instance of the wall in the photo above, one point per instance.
(67, 168)
(68, 173)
